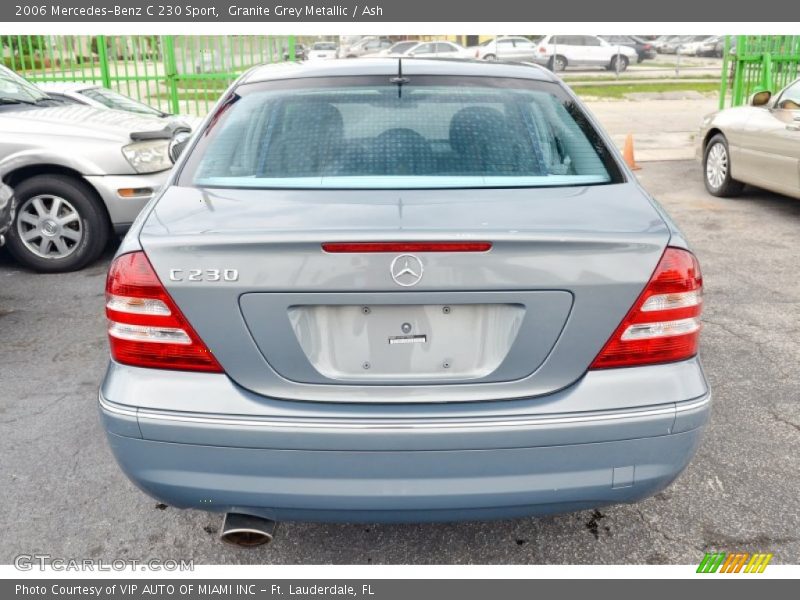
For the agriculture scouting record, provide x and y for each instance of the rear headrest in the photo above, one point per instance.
(476, 126)
(321, 118)
(403, 151)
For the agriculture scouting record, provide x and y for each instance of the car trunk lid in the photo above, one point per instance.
(287, 319)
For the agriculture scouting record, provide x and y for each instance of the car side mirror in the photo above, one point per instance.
(760, 98)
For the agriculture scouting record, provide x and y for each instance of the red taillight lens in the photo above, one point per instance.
(664, 323)
(366, 247)
(145, 327)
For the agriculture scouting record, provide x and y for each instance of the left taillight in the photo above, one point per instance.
(145, 327)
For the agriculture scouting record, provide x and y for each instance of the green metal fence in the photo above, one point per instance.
(758, 61)
(176, 74)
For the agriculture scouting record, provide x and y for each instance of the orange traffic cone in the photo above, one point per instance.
(627, 154)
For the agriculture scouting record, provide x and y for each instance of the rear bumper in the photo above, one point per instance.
(417, 468)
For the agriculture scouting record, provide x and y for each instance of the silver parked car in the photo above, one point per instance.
(367, 295)
(95, 95)
(757, 144)
(369, 45)
(510, 48)
(437, 49)
(79, 173)
(7, 210)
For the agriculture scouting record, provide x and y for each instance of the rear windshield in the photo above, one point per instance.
(428, 132)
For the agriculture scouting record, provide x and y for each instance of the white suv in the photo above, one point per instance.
(557, 52)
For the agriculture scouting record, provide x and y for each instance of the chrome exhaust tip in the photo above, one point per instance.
(246, 531)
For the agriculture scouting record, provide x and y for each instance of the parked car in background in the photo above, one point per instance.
(100, 97)
(758, 144)
(557, 52)
(368, 45)
(716, 46)
(691, 45)
(7, 209)
(644, 49)
(437, 48)
(671, 45)
(345, 42)
(450, 303)
(512, 48)
(661, 41)
(323, 51)
(300, 52)
(711, 47)
(79, 173)
(398, 48)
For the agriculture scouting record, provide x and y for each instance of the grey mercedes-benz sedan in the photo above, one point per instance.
(417, 291)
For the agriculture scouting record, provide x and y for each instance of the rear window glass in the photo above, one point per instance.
(369, 133)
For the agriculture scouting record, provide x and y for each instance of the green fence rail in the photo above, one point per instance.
(755, 62)
(176, 74)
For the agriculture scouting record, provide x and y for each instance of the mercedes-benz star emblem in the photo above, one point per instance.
(406, 270)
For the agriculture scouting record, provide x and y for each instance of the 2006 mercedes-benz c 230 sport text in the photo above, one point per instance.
(428, 291)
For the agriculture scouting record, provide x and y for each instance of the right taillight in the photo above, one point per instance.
(664, 323)
(145, 326)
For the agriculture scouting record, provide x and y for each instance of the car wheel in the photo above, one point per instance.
(717, 169)
(623, 63)
(557, 63)
(60, 224)
(490, 57)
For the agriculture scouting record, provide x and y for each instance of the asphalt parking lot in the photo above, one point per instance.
(63, 494)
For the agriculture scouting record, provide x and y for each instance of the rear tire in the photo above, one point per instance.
(60, 224)
(623, 63)
(557, 63)
(717, 169)
(490, 57)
